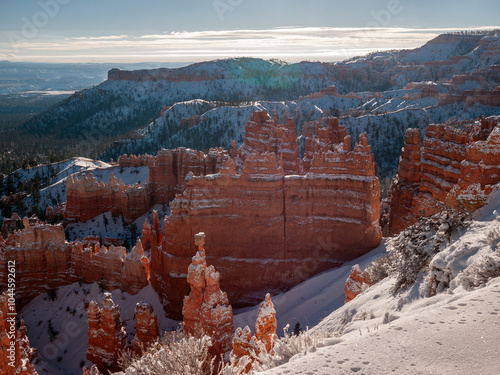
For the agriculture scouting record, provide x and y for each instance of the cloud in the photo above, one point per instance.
(287, 43)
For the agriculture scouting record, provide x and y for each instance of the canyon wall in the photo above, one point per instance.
(281, 229)
(457, 166)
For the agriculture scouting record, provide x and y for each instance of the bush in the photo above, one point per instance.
(52, 294)
(413, 248)
(284, 349)
(175, 353)
(482, 271)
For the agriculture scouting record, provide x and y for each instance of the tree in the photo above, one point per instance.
(297, 330)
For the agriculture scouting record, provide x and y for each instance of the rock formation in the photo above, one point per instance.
(134, 161)
(407, 183)
(246, 345)
(265, 326)
(87, 197)
(356, 283)
(206, 309)
(169, 168)
(93, 370)
(280, 228)
(457, 167)
(112, 267)
(16, 356)
(107, 337)
(44, 260)
(265, 135)
(146, 327)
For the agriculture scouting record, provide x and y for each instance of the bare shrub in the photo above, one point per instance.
(482, 271)
(175, 353)
(284, 349)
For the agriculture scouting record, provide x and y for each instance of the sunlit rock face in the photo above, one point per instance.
(206, 309)
(457, 166)
(280, 228)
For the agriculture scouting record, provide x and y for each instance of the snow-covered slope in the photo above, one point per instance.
(456, 331)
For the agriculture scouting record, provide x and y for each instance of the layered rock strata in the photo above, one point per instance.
(280, 228)
(87, 197)
(263, 134)
(44, 260)
(456, 167)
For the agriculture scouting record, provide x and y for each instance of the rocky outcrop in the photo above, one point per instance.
(265, 326)
(356, 283)
(329, 136)
(112, 267)
(16, 355)
(87, 197)
(280, 228)
(248, 346)
(457, 167)
(107, 336)
(266, 135)
(206, 309)
(479, 172)
(406, 186)
(146, 327)
(168, 170)
(134, 161)
(44, 260)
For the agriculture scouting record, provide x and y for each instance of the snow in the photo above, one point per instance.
(453, 332)
(68, 316)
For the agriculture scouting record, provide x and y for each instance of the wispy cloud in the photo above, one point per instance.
(287, 43)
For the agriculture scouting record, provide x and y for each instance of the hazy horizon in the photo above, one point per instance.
(178, 32)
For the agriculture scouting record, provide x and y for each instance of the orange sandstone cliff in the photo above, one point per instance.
(280, 228)
(457, 166)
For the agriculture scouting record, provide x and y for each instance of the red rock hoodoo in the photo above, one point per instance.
(246, 345)
(16, 356)
(146, 327)
(456, 167)
(280, 228)
(206, 309)
(107, 337)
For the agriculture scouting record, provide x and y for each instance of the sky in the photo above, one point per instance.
(200, 30)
